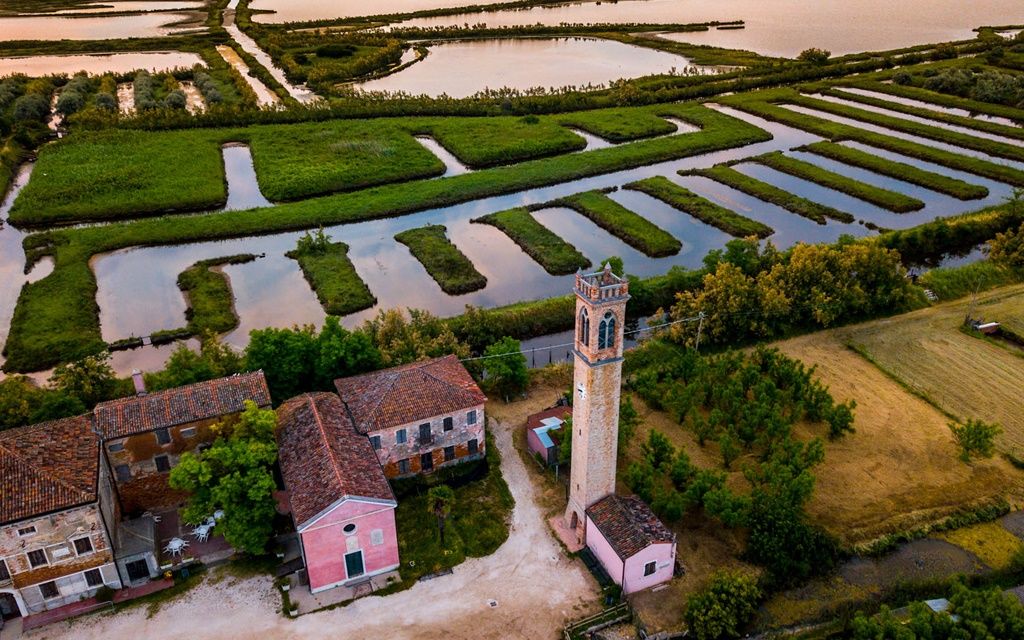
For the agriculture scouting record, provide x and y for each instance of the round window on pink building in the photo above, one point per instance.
(349, 528)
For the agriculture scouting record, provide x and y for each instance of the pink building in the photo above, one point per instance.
(632, 544)
(341, 503)
(543, 433)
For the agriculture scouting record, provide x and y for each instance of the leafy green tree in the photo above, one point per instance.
(565, 441)
(616, 263)
(342, 353)
(505, 371)
(236, 475)
(840, 419)
(629, 420)
(640, 478)
(418, 337)
(658, 451)
(91, 379)
(1008, 248)
(975, 438)
(19, 398)
(814, 56)
(215, 359)
(724, 607)
(54, 405)
(286, 357)
(440, 500)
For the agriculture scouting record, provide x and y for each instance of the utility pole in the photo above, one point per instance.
(700, 328)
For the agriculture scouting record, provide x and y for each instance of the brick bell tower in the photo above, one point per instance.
(597, 381)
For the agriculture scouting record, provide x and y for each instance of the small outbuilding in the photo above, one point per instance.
(543, 430)
(632, 544)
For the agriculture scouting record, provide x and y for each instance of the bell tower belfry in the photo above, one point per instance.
(597, 381)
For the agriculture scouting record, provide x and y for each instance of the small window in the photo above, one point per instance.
(349, 528)
(115, 447)
(401, 437)
(377, 537)
(94, 578)
(426, 437)
(375, 442)
(163, 436)
(474, 446)
(49, 590)
(449, 424)
(449, 454)
(650, 568)
(403, 466)
(37, 558)
(427, 461)
(188, 433)
(4, 573)
(584, 328)
(471, 417)
(123, 472)
(26, 531)
(163, 464)
(83, 546)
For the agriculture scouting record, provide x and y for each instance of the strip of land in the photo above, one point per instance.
(333, 278)
(631, 228)
(448, 266)
(557, 256)
(211, 303)
(701, 208)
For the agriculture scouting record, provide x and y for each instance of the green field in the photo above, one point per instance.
(619, 125)
(442, 259)
(631, 228)
(211, 304)
(489, 142)
(334, 280)
(701, 208)
(557, 256)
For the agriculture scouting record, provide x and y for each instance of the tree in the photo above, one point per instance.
(215, 359)
(814, 56)
(235, 475)
(440, 500)
(505, 371)
(342, 353)
(629, 420)
(286, 357)
(975, 437)
(91, 379)
(19, 398)
(418, 337)
(724, 607)
(1008, 248)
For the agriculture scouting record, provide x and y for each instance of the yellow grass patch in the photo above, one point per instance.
(994, 545)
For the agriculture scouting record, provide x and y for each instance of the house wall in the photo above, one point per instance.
(390, 452)
(536, 448)
(147, 488)
(663, 554)
(325, 543)
(55, 535)
(604, 552)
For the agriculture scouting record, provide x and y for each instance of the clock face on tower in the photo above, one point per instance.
(582, 391)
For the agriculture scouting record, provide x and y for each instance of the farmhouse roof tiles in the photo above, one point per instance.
(47, 467)
(412, 392)
(628, 524)
(182, 405)
(322, 457)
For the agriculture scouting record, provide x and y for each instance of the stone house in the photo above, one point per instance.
(632, 544)
(57, 517)
(418, 417)
(341, 503)
(144, 436)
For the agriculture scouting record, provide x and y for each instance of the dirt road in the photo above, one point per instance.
(537, 589)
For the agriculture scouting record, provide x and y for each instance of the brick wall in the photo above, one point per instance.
(391, 452)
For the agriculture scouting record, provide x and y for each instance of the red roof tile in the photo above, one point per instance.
(47, 467)
(628, 524)
(536, 420)
(182, 405)
(323, 458)
(393, 397)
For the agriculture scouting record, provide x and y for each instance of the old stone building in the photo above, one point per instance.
(418, 417)
(144, 436)
(57, 517)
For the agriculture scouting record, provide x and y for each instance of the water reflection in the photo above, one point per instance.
(12, 256)
(142, 25)
(243, 188)
(931, 106)
(452, 165)
(301, 10)
(155, 62)
(461, 69)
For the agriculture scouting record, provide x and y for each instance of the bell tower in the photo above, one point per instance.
(597, 381)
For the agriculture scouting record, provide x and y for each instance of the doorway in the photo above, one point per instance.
(354, 564)
(9, 608)
(137, 570)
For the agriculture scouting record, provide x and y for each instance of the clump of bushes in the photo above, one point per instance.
(145, 95)
(987, 86)
(208, 87)
(74, 95)
(335, 50)
(724, 607)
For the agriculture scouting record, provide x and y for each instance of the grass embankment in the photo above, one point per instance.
(211, 303)
(557, 256)
(442, 259)
(334, 279)
(940, 99)
(490, 142)
(949, 283)
(701, 208)
(631, 228)
(899, 170)
(762, 104)
(769, 193)
(884, 198)
(619, 125)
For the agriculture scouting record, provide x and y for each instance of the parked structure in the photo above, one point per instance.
(57, 517)
(543, 433)
(632, 544)
(144, 436)
(418, 417)
(341, 503)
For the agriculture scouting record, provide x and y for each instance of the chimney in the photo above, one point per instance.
(140, 384)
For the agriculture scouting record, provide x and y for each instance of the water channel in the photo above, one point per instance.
(96, 64)
(140, 25)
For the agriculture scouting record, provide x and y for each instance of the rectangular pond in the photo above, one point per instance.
(154, 61)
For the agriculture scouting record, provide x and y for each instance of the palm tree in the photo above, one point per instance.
(439, 501)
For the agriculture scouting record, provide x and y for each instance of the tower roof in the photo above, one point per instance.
(602, 286)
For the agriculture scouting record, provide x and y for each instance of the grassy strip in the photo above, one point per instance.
(619, 125)
(884, 198)
(899, 170)
(1015, 133)
(703, 209)
(631, 228)
(490, 142)
(760, 104)
(334, 279)
(442, 259)
(941, 99)
(211, 304)
(557, 256)
(950, 283)
(769, 193)
(990, 147)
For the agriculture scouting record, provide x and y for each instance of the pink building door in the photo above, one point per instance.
(354, 564)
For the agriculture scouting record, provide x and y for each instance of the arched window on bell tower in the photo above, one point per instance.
(584, 328)
(606, 332)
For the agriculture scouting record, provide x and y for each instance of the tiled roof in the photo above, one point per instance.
(323, 458)
(537, 419)
(47, 467)
(182, 405)
(628, 524)
(412, 392)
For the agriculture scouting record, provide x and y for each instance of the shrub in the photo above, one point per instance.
(814, 55)
(724, 607)
(1008, 248)
(30, 107)
(335, 50)
(175, 100)
(70, 102)
(902, 77)
(975, 437)
(105, 101)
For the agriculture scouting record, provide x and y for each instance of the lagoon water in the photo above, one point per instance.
(300, 10)
(156, 61)
(141, 25)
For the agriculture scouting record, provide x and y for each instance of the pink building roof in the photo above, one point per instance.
(322, 457)
(417, 391)
(628, 524)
